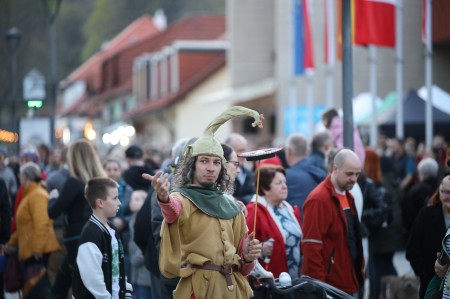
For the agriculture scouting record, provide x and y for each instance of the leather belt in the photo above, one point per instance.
(226, 270)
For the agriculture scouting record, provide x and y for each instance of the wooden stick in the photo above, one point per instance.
(256, 197)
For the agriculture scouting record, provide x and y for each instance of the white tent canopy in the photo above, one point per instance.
(441, 99)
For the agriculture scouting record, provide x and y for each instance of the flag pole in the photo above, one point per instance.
(399, 122)
(347, 73)
(428, 77)
(331, 50)
(373, 92)
(258, 164)
(310, 101)
(293, 104)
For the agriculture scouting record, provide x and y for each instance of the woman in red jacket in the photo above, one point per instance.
(277, 223)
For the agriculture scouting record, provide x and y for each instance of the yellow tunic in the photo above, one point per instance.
(197, 238)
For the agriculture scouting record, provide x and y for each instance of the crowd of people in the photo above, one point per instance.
(97, 223)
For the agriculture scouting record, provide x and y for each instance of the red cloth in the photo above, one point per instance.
(275, 160)
(17, 200)
(374, 22)
(266, 228)
(326, 254)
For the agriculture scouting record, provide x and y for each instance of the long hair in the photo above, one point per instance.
(184, 174)
(328, 115)
(372, 165)
(84, 162)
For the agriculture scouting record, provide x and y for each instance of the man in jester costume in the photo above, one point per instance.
(205, 239)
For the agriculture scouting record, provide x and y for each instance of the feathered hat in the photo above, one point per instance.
(207, 144)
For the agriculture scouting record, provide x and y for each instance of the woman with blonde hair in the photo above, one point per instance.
(84, 164)
(34, 235)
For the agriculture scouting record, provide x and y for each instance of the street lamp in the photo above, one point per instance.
(13, 40)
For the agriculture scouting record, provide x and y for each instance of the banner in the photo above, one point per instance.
(374, 22)
(302, 52)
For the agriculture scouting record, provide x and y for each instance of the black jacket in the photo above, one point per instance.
(133, 177)
(96, 237)
(424, 242)
(416, 198)
(244, 191)
(73, 204)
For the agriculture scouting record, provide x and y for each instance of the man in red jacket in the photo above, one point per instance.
(331, 245)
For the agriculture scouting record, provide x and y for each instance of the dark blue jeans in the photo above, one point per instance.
(142, 292)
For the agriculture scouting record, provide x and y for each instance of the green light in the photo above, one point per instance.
(34, 104)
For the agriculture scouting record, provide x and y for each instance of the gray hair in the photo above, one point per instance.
(298, 145)
(31, 171)
(428, 167)
(320, 139)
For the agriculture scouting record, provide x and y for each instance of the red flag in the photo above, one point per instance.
(375, 22)
(309, 57)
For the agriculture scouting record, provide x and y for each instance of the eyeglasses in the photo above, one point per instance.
(236, 163)
(446, 192)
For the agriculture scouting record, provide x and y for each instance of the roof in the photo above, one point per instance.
(142, 28)
(188, 85)
(116, 70)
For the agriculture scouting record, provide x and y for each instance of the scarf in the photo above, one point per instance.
(210, 201)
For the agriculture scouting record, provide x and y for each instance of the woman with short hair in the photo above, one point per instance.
(34, 237)
(277, 223)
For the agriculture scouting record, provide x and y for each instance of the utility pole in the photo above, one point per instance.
(13, 37)
(52, 13)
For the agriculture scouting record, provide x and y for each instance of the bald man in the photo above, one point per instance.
(331, 246)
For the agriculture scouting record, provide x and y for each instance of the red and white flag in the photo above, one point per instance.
(374, 22)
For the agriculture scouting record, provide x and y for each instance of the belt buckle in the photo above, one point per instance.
(227, 269)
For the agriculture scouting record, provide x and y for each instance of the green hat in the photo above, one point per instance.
(207, 144)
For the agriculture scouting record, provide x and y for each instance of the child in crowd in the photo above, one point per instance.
(140, 275)
(99, 269)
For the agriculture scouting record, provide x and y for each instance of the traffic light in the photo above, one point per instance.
(35, 104)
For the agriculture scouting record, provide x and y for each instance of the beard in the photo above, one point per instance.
(207, 184)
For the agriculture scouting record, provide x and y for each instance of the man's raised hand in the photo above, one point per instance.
(160, 182)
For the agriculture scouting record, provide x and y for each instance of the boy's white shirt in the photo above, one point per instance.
(115, 259)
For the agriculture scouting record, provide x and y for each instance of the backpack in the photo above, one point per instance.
(378, 209)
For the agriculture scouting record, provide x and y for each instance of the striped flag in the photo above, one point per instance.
(303, 55)
(374, 22)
